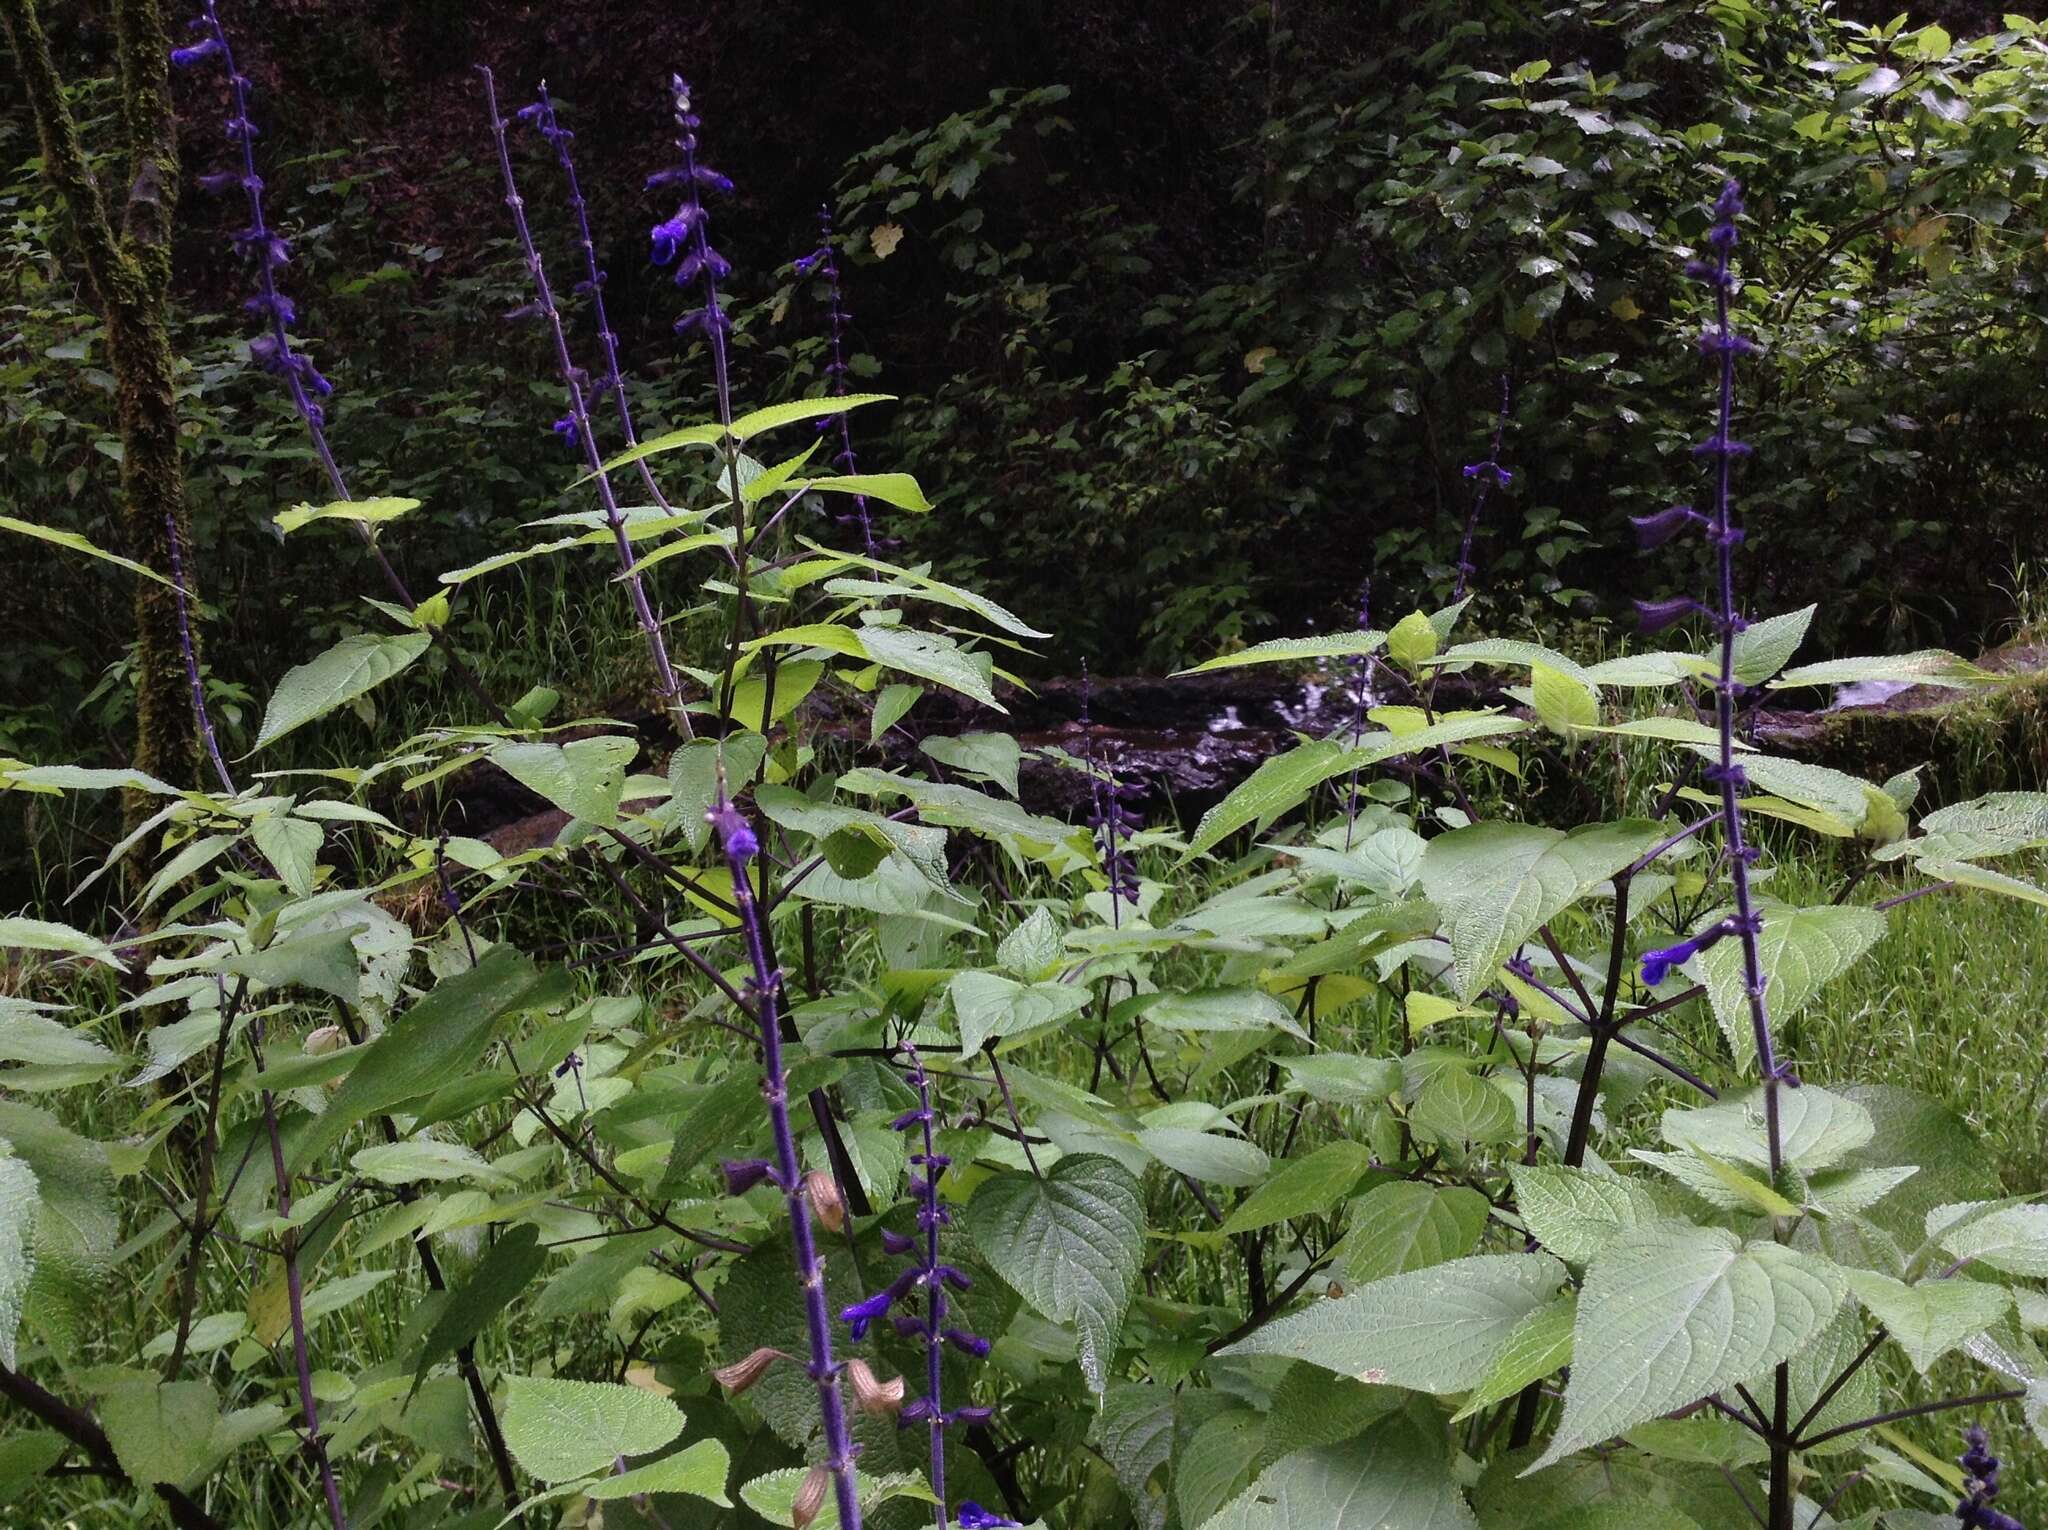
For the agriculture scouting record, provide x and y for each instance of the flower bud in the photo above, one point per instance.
(871, 1395)
(741, 1374)
(822, 1191)
(810, 1497)
(322, 1040)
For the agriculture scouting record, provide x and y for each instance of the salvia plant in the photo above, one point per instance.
(813, 1134)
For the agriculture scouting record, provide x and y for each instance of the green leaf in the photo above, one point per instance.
(1455, 1107)
(77, 543)
(1984, 879)
(1433, 1330)
(934, 658)
(1932, 1317)
(1032, 949)
(1576, 1214)
(1763, 648)
(1496, 883)
(432, 1044)
(27, 1037)
(1816, 1128)
(2009, 1238)
(1801, 950)
(563, 1429)
(773, 1495)
(161, 1432)
(990, 757)
(990, 1006)
(898, 489)
(1408, 1225)
(1207, 1156)
(1395, 1476)
(699, 1470)
(1278, 785)
(325, 962)
(1540, 1345)
(583, 778)
(1213, 1009)
(1671, 1313)
(719, 1120)
(1216, 1462)
(366, 512)
(1563, 703)
(1928, 666)
(1071, 1244)
(1414, 640)
(1343, 1078)
(19, 1202)
(46, 935)
(1320, 648)
(351, 668)
(798, 410)
(1303, 1187)
(403, 1163)
(292, 846)
(505, 1270)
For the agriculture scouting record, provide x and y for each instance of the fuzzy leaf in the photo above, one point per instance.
(563, 1429)
(351, 668)
(1396, 1474)
(1071, 1244)
(1801, 950)
(1302, 1187)
(1576, 1214)
(1930, 1317)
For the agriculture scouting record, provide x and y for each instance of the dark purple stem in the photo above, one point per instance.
(579, 413)
(615, 375)
(295, 1292)
(934, 1295)
(191, 652)
(767, 997)
(1488, 473)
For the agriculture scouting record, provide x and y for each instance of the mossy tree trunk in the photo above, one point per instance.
(127, 271)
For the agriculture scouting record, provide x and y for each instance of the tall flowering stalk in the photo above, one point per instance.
(1488, 475)
(929, 1271)
(542, 113)
(1980, 1486)
(825, 261)
(683, 241)
(1108, 816)
(576, 425)
(740, 845)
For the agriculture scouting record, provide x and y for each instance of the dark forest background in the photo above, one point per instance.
(1196, 312)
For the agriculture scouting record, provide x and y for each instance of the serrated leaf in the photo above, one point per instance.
(1395, 1476)
(1671, 1313)
(584, 778)
(161, 1432)
(1457, 1107)
(1213, 1009)
(27, 1037)
(1071, 1244)
(1302, 1187)
(1433, 1330)
(1817, 1128)
(1540, 1346)
(1322, 647)
(699, 1470)
(1927, 666)
(72, 541)
(990, 1006)
(1276, 787)
(351, 668)
(2009, 1238)
(1208, 1156)
(1801, 950)
(1413, 641)
(506, 1269)
(18, 1205)
(1765, 647)
(292, 846)
(563, 1429)
(403, 1163)
(1576, 1214)
(772, 1495)
(1563, 703)
(1408, 1225)
(991, 757)
(47, 935)
(1495, 883)
(1032, 948)
(798, 410)
(1931, 1317)
(367, 512)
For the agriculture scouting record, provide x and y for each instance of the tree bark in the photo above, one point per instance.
(127, 272)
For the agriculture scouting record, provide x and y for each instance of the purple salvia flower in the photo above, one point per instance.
(575, 428)
(542, 114)
(687, 230)
(743, 1174)
(1656, 615)
(825, 261)
(1112, 821)
(934, 1276)
(973, 1516)
(1655, 530)
(1657, 965)
(1980, 1485)
(765, 991)
(1489, 474)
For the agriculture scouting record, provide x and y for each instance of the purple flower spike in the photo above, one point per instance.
(1656, 615)
(743, 1174)
(973, 1516)
(967, 1343)
(1980, 1486)
(1655, 530)
(735, 834)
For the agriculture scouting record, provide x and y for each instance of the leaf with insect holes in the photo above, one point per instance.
(1071, 1244)
(1671, 1313)
(562, 1429)
(351, 668)
(1435, 1330)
